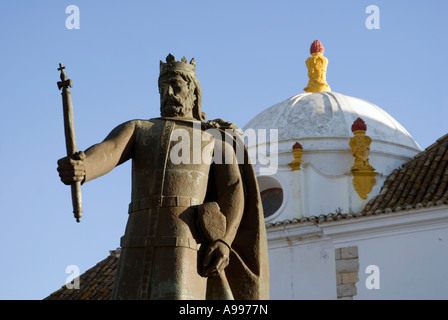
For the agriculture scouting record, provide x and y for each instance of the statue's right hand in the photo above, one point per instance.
(72, 169)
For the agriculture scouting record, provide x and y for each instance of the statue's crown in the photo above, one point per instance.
(171, 65)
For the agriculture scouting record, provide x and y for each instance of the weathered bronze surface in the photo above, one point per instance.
(195, 227)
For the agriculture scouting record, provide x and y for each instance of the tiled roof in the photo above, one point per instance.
(316, 219)
(420, 182)
(94, 284)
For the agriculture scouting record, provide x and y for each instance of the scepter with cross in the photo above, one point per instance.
(70, 140)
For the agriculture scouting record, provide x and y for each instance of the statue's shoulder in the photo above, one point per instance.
(222, 125)
(144, 124)
(230, 133)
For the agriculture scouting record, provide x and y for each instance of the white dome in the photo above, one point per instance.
(321, 122)
(330, 115)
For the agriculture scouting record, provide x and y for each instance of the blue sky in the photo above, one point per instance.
(249, 54)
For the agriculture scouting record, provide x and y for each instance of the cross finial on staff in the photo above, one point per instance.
(64, 82)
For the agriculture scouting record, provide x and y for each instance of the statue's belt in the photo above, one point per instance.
(161, 202)
(142, 242)
(211, 222)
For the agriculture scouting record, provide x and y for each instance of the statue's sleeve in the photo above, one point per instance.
(229, 192)
(115, 149)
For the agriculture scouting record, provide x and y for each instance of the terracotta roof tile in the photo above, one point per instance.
(95, 284)
(420, 182)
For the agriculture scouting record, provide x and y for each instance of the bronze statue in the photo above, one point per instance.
(195, 227)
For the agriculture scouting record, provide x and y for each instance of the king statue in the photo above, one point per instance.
(195, 228)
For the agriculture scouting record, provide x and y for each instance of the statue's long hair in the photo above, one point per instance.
(197, 108)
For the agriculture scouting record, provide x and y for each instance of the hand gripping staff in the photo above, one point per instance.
(70, 140)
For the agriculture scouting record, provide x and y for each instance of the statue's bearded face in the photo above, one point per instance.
(176, 96)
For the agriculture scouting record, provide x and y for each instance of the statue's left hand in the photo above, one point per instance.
(216, 258)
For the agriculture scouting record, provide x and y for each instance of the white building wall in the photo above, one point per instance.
(302, 264)
(409, 248)
(411, 265)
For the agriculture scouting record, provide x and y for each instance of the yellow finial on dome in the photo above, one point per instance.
(317, 69)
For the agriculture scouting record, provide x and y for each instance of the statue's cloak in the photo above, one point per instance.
(248, 271)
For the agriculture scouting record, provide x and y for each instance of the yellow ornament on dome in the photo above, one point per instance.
(363, 173)
(297, 151)
(317, 69)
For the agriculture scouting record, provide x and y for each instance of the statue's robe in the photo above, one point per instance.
(163, 248)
